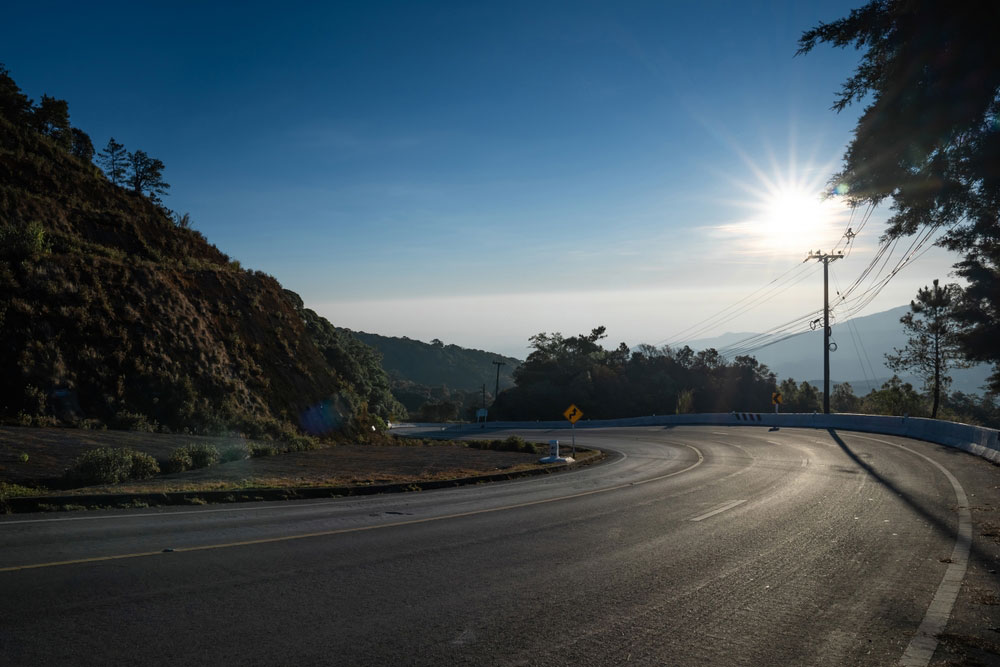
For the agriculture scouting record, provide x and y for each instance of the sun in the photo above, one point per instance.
(795, 219)
(787, 215)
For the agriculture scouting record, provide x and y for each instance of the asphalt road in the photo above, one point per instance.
(691, 546)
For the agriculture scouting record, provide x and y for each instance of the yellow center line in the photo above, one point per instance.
(358, 529)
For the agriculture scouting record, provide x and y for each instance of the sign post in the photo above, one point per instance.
(573, 414)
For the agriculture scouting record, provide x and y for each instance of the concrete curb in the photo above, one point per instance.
(119, 500)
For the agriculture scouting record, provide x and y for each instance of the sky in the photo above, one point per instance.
(482, 172)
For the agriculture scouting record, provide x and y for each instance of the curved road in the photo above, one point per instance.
(691, 546)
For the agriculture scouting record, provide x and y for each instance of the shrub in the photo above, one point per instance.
(203, 454)
(234, 453)
(513, 443)
(134, 421)
(260, 449)
(179, 461)
(144, 466)
(111, 465)
(300, 443)
(194, 455)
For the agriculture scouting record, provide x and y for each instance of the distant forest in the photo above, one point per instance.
(440, 382)
(622, 382)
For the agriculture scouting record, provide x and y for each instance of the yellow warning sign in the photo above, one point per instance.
(573, 414)
(776, 398)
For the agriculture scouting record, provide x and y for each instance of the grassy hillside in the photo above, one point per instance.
(111, 314)
(435, 364)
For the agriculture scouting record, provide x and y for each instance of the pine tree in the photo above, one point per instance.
(933, 345)
(113, 159)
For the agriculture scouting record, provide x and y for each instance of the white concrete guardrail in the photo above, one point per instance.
(973, 439)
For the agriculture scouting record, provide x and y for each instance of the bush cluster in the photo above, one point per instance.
(192, 456)
(513, 443)
(261, 449)
(111, 465)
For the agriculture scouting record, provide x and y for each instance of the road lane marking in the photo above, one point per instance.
(923, 644)
(805, 462)
(359, 529)
(149, 515)
(718, 510)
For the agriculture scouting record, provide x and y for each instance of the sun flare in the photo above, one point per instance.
(794, 219)
(788, 215)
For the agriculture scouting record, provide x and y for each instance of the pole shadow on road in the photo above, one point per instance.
(935, 522)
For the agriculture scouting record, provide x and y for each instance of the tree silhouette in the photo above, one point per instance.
(51, 118)
(82, 146)
(932, 347)
(929, 138)
(113, 159)
(145, 175)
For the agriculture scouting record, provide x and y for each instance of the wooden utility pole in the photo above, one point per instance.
(826, 258)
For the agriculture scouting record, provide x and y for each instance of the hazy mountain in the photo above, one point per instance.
(862, 343)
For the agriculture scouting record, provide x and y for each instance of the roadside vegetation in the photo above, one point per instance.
(622, 382)
(63, 461)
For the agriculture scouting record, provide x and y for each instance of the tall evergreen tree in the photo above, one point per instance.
(113, 159)
(145, 175)
(929, 139)
(933, 346)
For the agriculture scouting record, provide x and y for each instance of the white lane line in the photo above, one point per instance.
(921, 648)
(150, 515)
(718, 510)
(805, 462)
(360, 529)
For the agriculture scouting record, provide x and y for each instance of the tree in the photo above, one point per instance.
(842, 398)
(979, 310)
(932, 347)
(145, 175)
(895, 397)
(800, 397)
(113, 159)
(51, 118)
(15, 106)
(82, 146)
(929, 139)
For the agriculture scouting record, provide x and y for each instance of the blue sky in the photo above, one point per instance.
(478, 172)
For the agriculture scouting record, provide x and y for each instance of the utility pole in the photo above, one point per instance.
(496, 392)
(826, 258)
